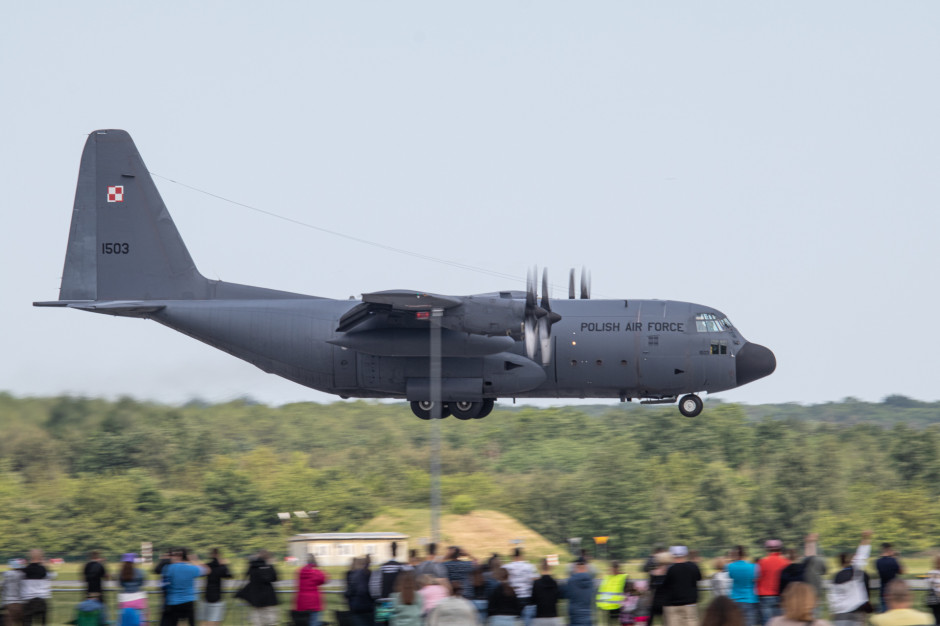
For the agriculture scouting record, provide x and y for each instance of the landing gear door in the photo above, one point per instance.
(344, 368)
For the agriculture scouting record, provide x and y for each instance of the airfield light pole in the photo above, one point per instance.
(436, 315)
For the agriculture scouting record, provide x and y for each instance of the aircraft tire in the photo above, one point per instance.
(423, 410)
(465, 410)
(486, 409)
(690, 405)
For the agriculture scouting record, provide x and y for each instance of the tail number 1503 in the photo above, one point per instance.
(115, 248)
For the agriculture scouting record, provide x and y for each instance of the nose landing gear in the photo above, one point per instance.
(690, 405)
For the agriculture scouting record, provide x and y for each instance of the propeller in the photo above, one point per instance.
(538, 320)
(571, 284)
(546, 321)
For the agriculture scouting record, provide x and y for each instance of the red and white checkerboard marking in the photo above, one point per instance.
(116, 193)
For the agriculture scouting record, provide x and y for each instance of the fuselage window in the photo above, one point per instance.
(709, 323)
(719, 347)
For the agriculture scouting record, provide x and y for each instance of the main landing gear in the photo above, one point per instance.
(460, 410)
(690, 405)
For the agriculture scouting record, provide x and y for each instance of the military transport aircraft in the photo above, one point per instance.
(125, 257)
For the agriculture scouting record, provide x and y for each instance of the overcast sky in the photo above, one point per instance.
(779, 161)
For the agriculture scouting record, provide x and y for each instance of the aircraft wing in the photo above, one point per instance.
(396, 303)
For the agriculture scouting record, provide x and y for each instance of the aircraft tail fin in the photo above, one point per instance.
(123, 244)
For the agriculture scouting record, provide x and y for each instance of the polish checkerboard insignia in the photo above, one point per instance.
(116, 193)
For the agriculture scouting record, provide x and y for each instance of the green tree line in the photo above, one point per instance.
(79, 473)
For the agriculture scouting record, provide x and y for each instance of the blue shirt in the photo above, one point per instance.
(743, 576)
(180, 582)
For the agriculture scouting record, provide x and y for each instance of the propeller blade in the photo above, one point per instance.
(571, 284)
(545, 339)
(531, 337)
(585, 284)
(545, 303)
(531, 276)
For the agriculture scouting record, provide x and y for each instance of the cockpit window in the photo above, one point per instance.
(710, 323)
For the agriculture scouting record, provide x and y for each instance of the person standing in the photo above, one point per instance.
(814, 568)
(361, 606)
(504, 607)
(407, 604)
(799, 605)
(579, 591)
(213, 609)
(12, 593)
(259, 591)
(94, 573)
(431, 566)
(899, 611)
(768, 583)
(657, 576)
(459, 565)
(610, 593)
(545, 597)
(131, 596)
(382, 581)
(307, 598)
(179, 577)
(933, 590)
(36, 589)
(743, 575)
(889, 568)
(454, 610)
(521, 576)
(854, 605)
(680, 587)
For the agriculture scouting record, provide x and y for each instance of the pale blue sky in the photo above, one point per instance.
(775, 160)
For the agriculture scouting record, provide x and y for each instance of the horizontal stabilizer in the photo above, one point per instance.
(127, 308)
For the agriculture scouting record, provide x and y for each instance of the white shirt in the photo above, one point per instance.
(521, 575)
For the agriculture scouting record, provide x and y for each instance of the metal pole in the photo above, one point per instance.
(436, 315)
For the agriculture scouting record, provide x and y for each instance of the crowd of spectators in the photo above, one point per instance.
(780, 588)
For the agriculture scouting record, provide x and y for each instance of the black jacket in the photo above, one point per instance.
(259, 592)
(545, 596)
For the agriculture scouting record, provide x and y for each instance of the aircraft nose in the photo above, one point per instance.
(754, 361)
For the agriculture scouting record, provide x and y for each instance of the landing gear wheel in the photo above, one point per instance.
(690, 405)
(486, 408)
(423, 409)
(466, 410)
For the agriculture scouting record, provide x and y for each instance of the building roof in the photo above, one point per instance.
(345, 536)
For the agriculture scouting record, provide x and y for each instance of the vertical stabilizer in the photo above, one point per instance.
(123, 244)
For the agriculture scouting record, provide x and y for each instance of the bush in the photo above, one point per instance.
(461, 505)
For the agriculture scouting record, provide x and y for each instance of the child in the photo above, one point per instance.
(635, 608)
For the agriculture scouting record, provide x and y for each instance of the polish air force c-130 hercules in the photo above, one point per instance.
(125, 257)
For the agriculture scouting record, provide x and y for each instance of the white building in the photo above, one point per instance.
(339, 549)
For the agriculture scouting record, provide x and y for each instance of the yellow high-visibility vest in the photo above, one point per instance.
(610, 593)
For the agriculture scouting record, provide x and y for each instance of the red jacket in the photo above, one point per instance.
(768, 583)
(309, 580)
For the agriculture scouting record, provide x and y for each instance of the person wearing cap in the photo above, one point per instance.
(579, 591)
(768, 582)
(680, 586)
(132, 599)
(12, 599)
